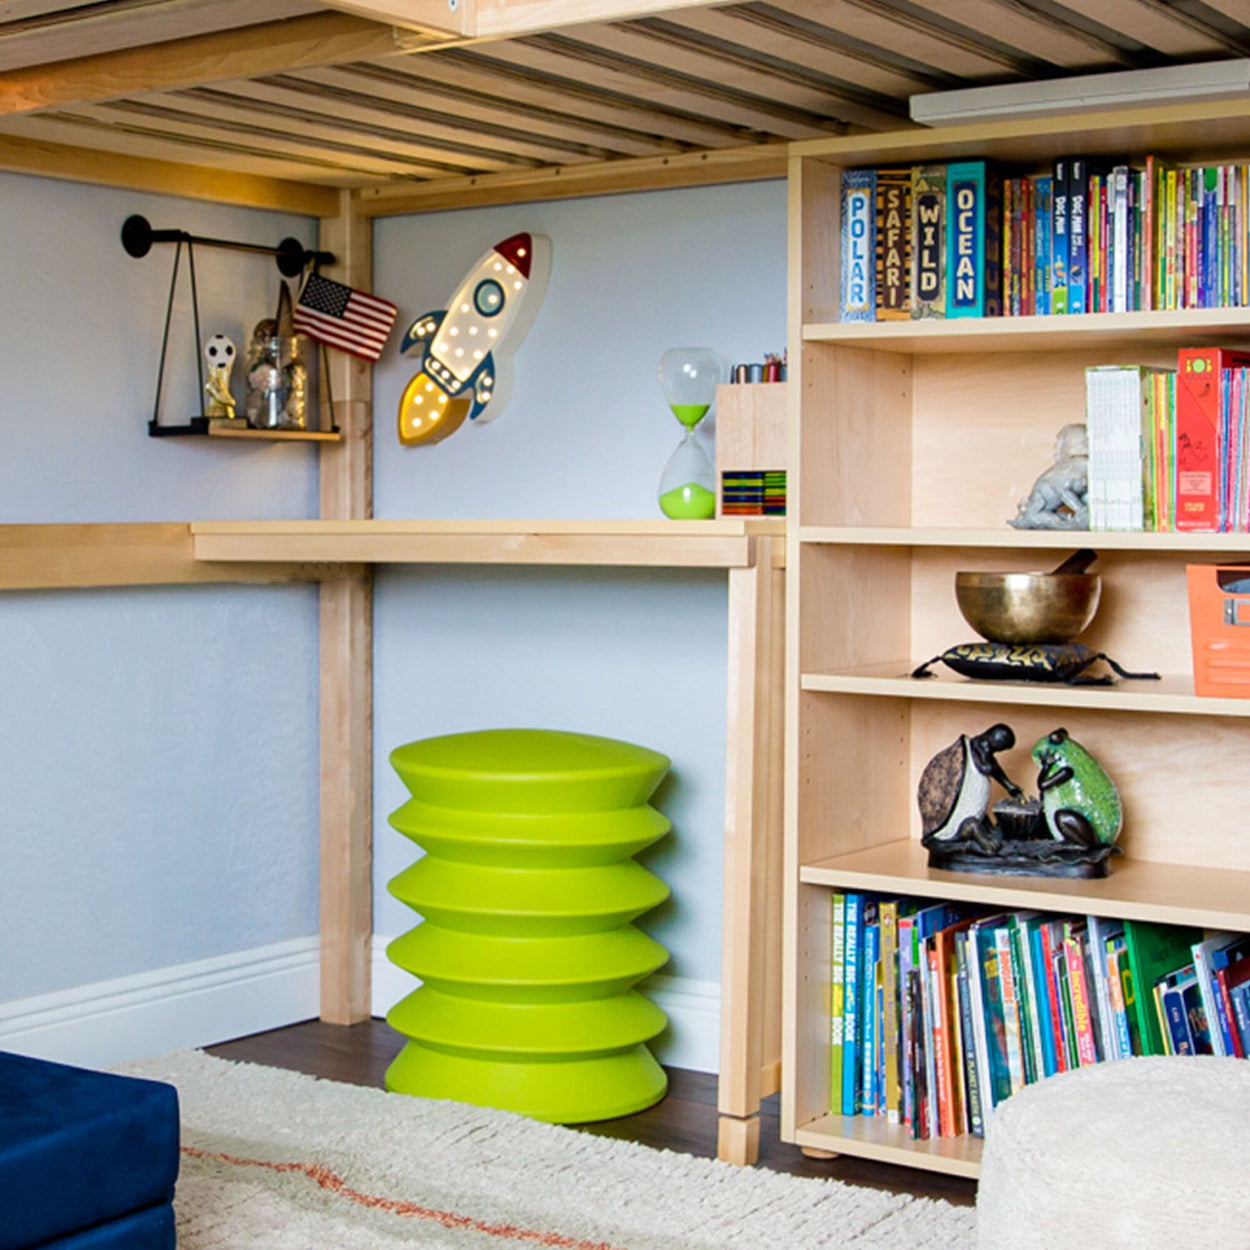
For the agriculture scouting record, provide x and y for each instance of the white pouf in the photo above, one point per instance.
(1137, 1153)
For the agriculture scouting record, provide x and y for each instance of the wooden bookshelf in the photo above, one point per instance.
(911, 446)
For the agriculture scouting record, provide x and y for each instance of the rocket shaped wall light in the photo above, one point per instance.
(466, 348)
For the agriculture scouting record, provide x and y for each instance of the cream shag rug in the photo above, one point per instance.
(283, 1161)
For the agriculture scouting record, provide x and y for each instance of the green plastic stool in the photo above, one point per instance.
(528, 956)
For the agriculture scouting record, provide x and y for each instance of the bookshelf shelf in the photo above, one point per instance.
(874, 1138)
(1173, 694)
(983, 539)
(911, 445)
(1168, 893)
(1108, 332)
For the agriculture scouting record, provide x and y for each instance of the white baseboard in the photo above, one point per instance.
(195, 1004)
(692, 1039)
(214, 1000)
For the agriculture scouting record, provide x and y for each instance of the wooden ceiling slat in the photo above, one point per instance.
(950, 48)
(729, 74)
(143, 117)
(133, 171)
(72, 133)
(283, 102)
(1033, 32)
(548, 89)
(1229, 36)
(873, 68)
(840, 85)
(645, 85)
(1154, 27)
(93, 29)
(265, 49)
(384, 85)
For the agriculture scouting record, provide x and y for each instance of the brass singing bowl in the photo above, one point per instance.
(1028, 607)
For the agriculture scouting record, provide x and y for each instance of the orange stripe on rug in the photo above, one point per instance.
(335, 1184)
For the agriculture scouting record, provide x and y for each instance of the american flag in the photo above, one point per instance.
(342, 317)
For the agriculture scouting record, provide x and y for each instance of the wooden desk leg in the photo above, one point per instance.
(752, 795)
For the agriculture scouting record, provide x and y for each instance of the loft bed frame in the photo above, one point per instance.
(368, 108)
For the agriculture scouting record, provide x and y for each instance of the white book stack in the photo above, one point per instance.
(1118, 418)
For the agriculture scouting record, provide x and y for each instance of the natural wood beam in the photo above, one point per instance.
(499, 19)
(63, 557)
(324, 39)
(748, 164)
(138, 173)
(346, 669)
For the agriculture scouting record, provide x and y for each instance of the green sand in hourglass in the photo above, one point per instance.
(689, 377)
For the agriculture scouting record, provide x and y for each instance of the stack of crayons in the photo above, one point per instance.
(753, 492)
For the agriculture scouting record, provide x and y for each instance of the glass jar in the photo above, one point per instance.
(277, 381)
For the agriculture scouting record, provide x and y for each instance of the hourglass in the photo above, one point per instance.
(689, 377)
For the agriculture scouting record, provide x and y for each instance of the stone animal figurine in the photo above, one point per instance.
(954, 791)
(1080, 803)
(1058, 500)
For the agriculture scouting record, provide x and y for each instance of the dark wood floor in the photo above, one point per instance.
(685, 1120)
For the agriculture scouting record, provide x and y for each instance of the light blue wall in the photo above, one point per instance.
(630, 653)
(158, 783)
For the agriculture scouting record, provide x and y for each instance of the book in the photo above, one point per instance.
(1234, 982)
(971, 1046)
(1115, 989)
(1059, 238)
(944, 1027)
(1199, 454)
(928, 242)
(859, 262)
(893, 244)
(1026, 994)
(891, 1022)
(1101, 934)
(1043, 216)
(998, 1064)
(1050, 936)
(1218, 1018)
(1154, 950)
(974, 240)
(1074, 944)
(837, 988)
(852, 1026)
(1011, 1008)
(1080, 170)
(869, 973)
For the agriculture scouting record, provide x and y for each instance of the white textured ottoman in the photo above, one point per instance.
(1137, 1153)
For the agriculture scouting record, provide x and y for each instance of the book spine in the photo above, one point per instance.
(890, 1010)
(1011, 248)
(859, 268)
(868, 1011)
(1087, 1052)
(970, 1044)
(893, 244)
(974, 242)
(1011, 1009)
(1023, 965)
(1041, 998)
(1174, 1016)
(1059, 238)
(837, 988)
(938, 1040)
(1078, 236)
(905, 964)
(1120, 239)
(928, 242)
(1237, 1047)
(915, 1053)
(1115, 990)
(996, 1026)
(851, 1029)
(1197, 440)
(1043, 214)
(1047, 935)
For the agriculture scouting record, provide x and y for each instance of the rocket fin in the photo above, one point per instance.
(422, 330)
(485, 383)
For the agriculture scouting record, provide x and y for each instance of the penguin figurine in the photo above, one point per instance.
(954, 791)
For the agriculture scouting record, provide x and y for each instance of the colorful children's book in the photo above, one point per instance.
(998, 1064)
(970, 1044)
(1200, 456)
(1205, 954)
(928, 242)
(837, 988)
(869, 974)
(893, 244)
(974, 240)
(1154, 950)
(852, 1026)
(859, 260)
(1059, 238)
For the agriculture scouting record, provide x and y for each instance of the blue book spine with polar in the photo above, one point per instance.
(859, 245)
(974, 240)
(852, 1089)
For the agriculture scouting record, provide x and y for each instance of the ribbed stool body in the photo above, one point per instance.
(528, 956)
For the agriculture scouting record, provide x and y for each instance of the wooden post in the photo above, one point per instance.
(750, 962)
(347, 663)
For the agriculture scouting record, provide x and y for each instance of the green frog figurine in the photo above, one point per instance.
(1080, 803)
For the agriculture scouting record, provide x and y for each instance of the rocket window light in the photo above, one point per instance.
(473, 385)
